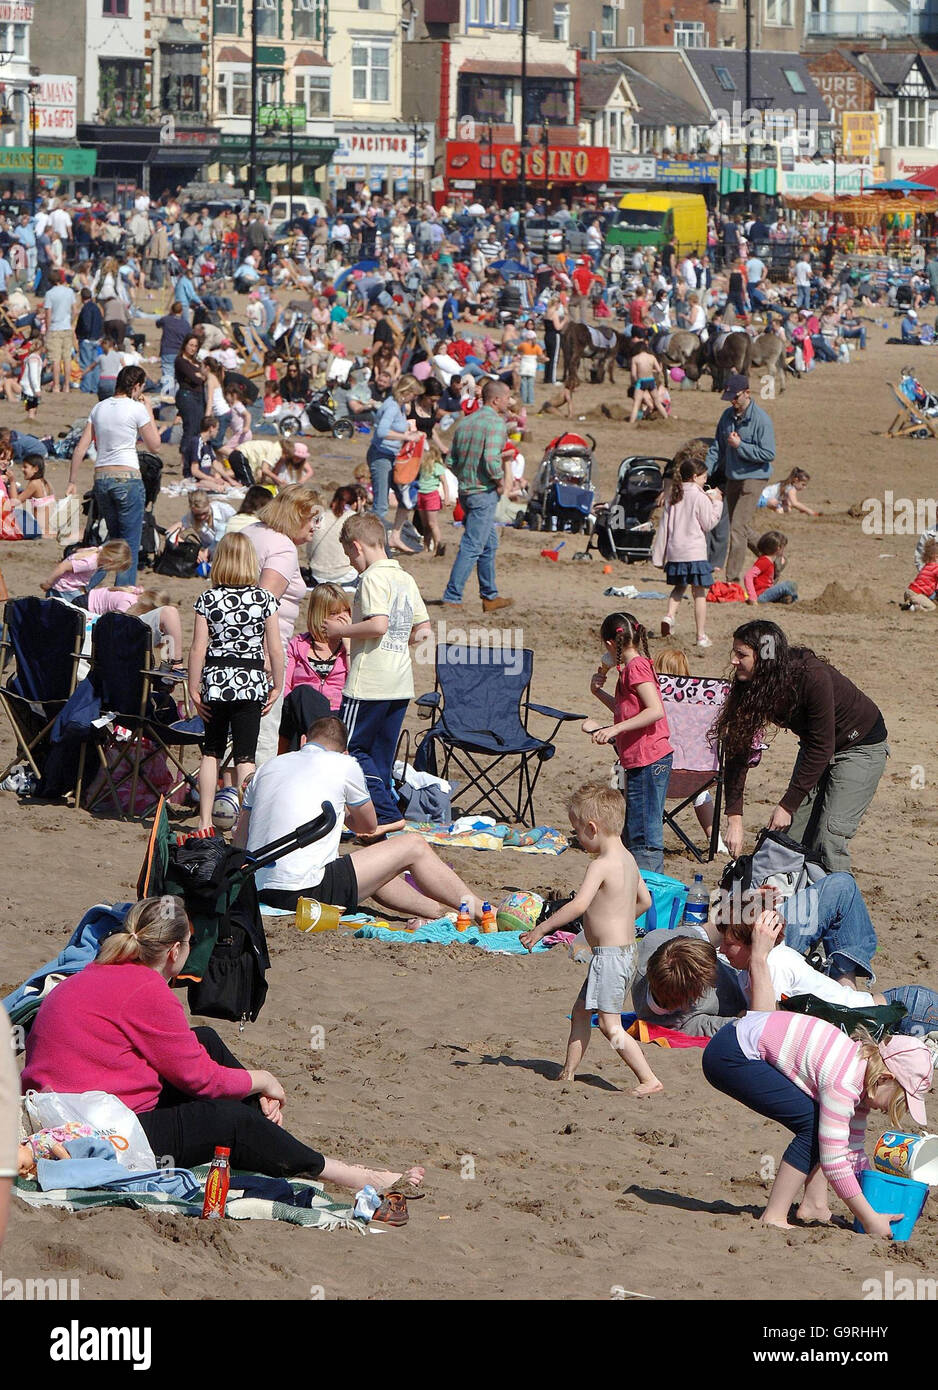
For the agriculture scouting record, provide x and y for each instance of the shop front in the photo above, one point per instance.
(55, 167)
(488, 171)
(391, 159)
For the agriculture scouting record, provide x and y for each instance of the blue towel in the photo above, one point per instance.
(445, 931)
(93, 1164)
(97, 923)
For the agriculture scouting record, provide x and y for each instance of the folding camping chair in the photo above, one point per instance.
(134, 696)
(482, 704)
(691, 704)
(43, 639)
(911, 422)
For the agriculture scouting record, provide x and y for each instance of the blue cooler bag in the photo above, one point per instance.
(668, 896)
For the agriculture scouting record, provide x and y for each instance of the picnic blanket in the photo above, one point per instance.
(324, 1214)
(541, 839)
(654, 1032)
(444, 932)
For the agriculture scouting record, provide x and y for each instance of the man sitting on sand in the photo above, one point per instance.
(612, 895)
(289, 791)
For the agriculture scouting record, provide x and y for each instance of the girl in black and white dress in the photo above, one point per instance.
(235, 665)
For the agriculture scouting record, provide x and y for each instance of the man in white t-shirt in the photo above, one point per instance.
(289, 791)
(803, 282)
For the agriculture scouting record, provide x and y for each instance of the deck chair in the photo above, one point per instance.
(481, 700)
(42, 640)
(691, 703)
(134, 697)
(911, 422)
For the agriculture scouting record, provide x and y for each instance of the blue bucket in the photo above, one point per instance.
(886, 1193)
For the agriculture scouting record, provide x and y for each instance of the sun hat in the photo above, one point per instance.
(300, 450)
(910, 1062)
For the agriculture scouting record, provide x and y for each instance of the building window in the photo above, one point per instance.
(487, 100)
(369, 4)
(493, 14)
(115, 9)
(794, 80)
(371, 71)
(607, 37)
(911, 122)
(549, 99)
(312, 92)
(779, 12)
(13, 39)
(562, 23)
(725, 79)
(227, 18)
(233, 93)
(690, 33)
(307, 19)
(268, 19)
(121, 90)
(181, 79)
(270, 87)
(630, 36)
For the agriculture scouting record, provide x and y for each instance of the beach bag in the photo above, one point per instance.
(408, 460)
(179, 557)
(232, 986)
(777, 862)
(103, 1112)
(882, 1020)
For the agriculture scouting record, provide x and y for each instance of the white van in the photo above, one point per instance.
(303, 206)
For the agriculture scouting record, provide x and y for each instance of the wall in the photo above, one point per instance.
(348, 20)
(841, 86)
(107, 37)
(57, 41)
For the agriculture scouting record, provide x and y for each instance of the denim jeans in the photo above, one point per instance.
(858, 332)
(922, 1004)
(223, 423)
(168, 374)
(476, 549)
(121, 503)
(833, 912)
(87, 356)
(527, 390)
(191, 406)
(645, 792)
(803, 297)
(822, 348)
(381, 468)
(785, 588)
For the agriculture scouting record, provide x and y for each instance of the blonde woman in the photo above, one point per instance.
(188, 1091)
(235, 642)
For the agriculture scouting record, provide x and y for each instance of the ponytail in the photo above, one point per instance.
(626, 631)
(149, 929)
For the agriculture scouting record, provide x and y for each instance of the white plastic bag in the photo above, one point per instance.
(105, 1113)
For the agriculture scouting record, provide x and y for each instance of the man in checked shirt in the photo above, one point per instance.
(476, 459)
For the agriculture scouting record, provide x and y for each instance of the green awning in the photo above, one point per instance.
(65, 162)
(762, 180)
(271, 57)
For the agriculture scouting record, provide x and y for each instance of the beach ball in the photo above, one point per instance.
(226, 809)
(519, 911)
(677, 374)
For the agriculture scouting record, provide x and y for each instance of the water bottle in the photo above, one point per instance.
(697, 907)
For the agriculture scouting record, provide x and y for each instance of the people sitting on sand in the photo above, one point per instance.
(289, 791)
(117, 1026)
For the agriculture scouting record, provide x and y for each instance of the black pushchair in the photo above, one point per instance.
(624, 528)
(227, 963)
(95, 533)
(320, 411)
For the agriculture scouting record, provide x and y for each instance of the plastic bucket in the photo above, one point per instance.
(908, 1156)
(887, 1193)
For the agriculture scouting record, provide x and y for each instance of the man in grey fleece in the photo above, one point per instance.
(720, 1003)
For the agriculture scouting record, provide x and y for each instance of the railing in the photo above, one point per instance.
(855, 24)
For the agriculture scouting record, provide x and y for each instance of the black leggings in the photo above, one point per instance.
(189, 1130)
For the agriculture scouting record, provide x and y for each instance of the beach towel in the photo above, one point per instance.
(97, 923)
(444, 933)
(654, 1032)
(541, 839)
(323, 1213)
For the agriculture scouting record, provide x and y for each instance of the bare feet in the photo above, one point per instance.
(809, 1212)
(565, 1076)
(414, 1177)
(648, 1088)
(779, 1225)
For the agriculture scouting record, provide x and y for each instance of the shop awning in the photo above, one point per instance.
(761, 180)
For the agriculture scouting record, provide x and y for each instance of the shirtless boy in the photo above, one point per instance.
(611, 896)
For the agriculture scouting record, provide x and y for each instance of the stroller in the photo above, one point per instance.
(228, 960)
(562, 493)
(319, 411)
(95, 533)
(624, 529)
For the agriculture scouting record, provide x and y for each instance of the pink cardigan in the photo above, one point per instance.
(121, 1029)
(682, 533)
(827, 1066)
(301, 672)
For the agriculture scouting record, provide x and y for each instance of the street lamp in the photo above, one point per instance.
(522, 224)
(420, 143)
(252, 173)
(7, 120)
(276, 119)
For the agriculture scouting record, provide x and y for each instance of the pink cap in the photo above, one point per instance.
(910, 1062)
(421, 370)
(300, 450)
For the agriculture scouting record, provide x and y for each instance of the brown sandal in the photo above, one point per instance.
(393, 1210)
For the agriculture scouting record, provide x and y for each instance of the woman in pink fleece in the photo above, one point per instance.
(821, 1085)
(680, 545)
(116, 1026)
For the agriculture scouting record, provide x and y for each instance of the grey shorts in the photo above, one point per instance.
(609, 979)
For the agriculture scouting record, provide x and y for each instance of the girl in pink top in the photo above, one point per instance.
(72, 576)
(680, 546)
(820, 1084)
(118, 1027)
(312, 657)
(640, 733)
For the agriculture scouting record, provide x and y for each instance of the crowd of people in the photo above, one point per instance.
(312, 707)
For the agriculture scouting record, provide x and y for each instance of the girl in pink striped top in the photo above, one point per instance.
(821, 1085)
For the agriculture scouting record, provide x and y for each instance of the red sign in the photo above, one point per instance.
(558, 164)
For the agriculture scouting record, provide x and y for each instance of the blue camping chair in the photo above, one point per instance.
(482, 705)
(136, 696)
(42, 640)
